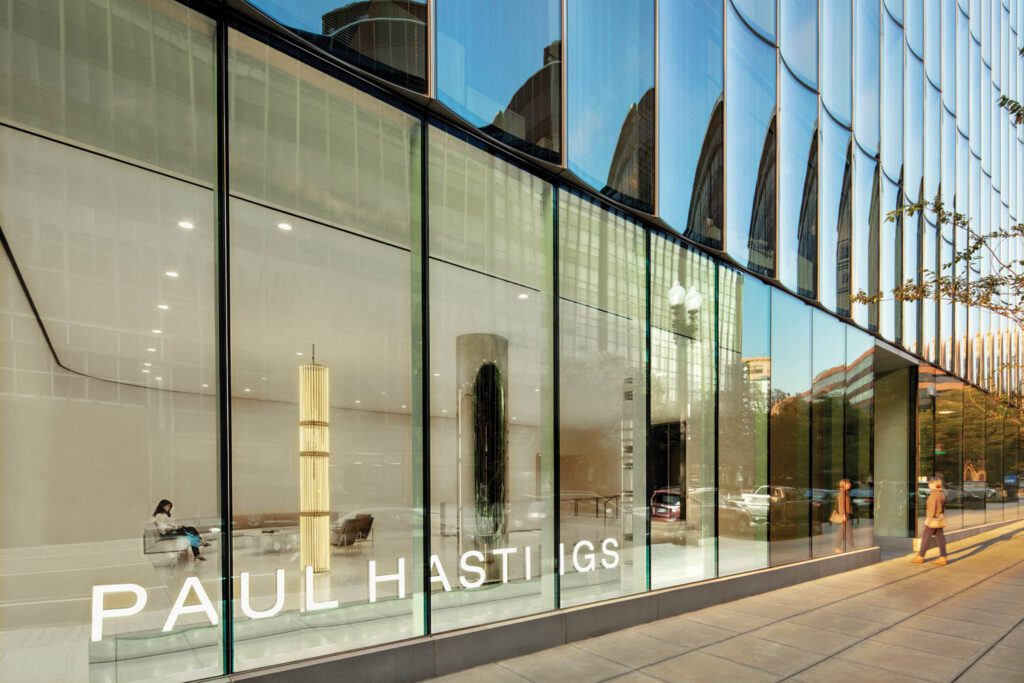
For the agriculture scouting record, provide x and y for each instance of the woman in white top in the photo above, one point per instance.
(166, 526)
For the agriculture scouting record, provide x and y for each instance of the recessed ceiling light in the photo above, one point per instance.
(515, 418)
(148, 364)
(206, 386)
(171, 273)
(445, 410)
(437, 374)
(187, 225)
(298, 353)
(537, 389)
(159, 379)
(145, 371)
(247, 390)
(163, 307)
(284, 226)
(358, 401)
(403, 406)
(263, 379)
(151, 349)
(158, 331)
(524, 295)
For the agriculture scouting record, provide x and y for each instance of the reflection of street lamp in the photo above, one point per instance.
(685, 305)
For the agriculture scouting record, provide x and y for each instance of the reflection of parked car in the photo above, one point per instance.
(666, 505)
(791, 509)
(954, 495)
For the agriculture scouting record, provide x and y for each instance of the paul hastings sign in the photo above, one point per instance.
(584, 557)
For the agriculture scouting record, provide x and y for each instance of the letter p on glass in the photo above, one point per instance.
(99, 612)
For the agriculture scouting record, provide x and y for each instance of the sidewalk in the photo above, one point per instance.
(893, 621)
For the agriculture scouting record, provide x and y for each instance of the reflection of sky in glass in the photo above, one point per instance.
(609, 67)
(887, 261)
(791, 344)
(690, 73)
(756, 318)
(986, 124)
(798, 38)
(306, 15)
(932, 123)
(860, 238)
(836, 53)
(482, 62)
(911, 271)
(835, 141)
(974, 61)
(963, 39)
(932, 14)
(892, 97)
(895, 8)
(913, 119)
(829, 339)
(928, 257)
(913, 24)
(760, 14)
(865, 104)
(798, 114)
(750, 100)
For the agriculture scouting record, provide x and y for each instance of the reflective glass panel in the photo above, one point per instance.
(888, 248)
(744, 378)
(691, 119)
(858, 448)
(602, 402)
(828, 435)
(913, 122)
(949, 47)
(610, 91)
(491, 394)
(798, 38)
(895, 8)
(681, 442)
(974, 64)
(949, 415)
(932, 142)
(798, 185)
(388, 38)
(759, 15)
(108, 368)
(894, 474)
(925, 406)
(892, 98)
(864, 235)
(836, 57)
(324, 458)
(975, 477)
(913, 23)
(932, 34)
(995, 492)
(791, 509)
(750, 153)
(963, 40)
(867, 30)
(929, 305)
(504, 74)
(835, 217)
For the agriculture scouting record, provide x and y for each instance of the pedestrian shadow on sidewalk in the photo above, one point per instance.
(963, 553)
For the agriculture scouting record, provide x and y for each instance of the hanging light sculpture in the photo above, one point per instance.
(314, 459)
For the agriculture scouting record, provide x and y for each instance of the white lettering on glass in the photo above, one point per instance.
(467, 567)
(590, 564)
(309, 590)
(247, 609)
(503, 553)
(99, 612)
(608, 546)
(442, 578)
(399, 577)
(192, 583)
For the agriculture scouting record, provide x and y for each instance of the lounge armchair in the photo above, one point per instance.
(355, 529)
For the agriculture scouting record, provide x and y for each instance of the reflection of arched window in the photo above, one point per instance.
(704, 224)
(874, 240)
(762, 217)
(897, 275)
(807, 231)
(631, 173)
(843, 229)
(532, 120)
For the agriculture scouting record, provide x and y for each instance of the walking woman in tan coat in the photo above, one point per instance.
(934, 522)
(844, 516)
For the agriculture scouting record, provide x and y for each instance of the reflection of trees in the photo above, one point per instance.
(874, 240)
(743, 409)
(631, 173)
(761, 241)
(704, 223)
(790, 422)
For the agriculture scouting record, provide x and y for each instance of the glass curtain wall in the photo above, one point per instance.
(949, 415)
(611, 105)
(750, 125)
(975, 475)
(691, 119)
(504, 74)
(744, 378)
(792, 512)
(681, 441)
(108, 399)
(828, 431)
(925, 401)
(858, 457)
(836, 59)
(492, 398)
(602, 401)
(835, 216)
(994, 491)
(325, 199)
(798, 38)
(798, 185)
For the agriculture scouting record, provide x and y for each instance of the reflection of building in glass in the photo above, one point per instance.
(532, 120)
(807, 232)
(631, 175)
(843, 231)
(761, 242)
(704, 223)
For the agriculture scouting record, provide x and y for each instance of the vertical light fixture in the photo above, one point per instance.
(314, 459)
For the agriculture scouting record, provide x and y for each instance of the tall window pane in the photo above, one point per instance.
(504, 74)
(867, 29)
(798, 185)
(691, 119)
(864, 235)
(750, 153)
(798, 38)
(108, 399)
(949, 424)
(975, 476)
(836, 56)
(828, 434)
(858, 450)
(610, 108)
(760, 15)
(744, 376)
(309, 221)
(791, 510)
(491, 400)
(835, 217)
(681, 446)
(892, 99)
(602, 402)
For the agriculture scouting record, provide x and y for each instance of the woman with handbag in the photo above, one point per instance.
(843, 515)
(934, 522)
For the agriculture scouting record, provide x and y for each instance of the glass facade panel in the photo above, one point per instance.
(504, 75)
(864, 237)
(888, 264)
(792, 512)
(681, 447)
(744, 378)
(108, 400)
(975, 476)
(867, 65)
(994, 491)
(798, 38)
(913, 23)
(759, 15)
(963, 41)
(288, 325)
(491, 279)
(691, 119)
(836, 59)
(949, 48)
(610, 97)
(828, 436)
(835, 217)
(858, 455)
(387, 38)
(602, 401)
(949, 415)
(892, 99)
(798, 185)
(750, 152)
(932, 35)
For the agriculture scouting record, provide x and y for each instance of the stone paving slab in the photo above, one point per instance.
(894, 621)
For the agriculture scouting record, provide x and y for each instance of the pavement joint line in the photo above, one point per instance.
(988, 649)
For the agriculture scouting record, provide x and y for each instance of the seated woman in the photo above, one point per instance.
(166, 526)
